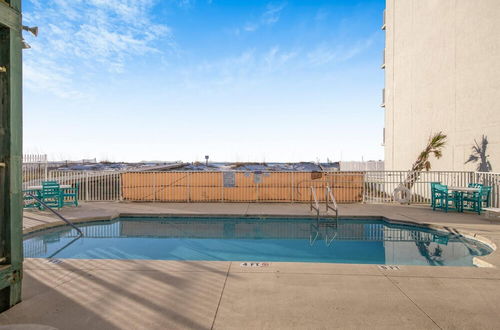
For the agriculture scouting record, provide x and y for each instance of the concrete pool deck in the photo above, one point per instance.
(144, 294)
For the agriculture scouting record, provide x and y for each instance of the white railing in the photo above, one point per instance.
(330, 199)
(92, 185)
(383, 59)
(347, 187)
(34, 169)
(383, 21)
(492, 180)
(380, 185)
(314, 202)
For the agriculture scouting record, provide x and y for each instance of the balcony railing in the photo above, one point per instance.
(383, 21)
(383, 59)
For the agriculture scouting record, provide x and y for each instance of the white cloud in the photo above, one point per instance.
(185, 3)
(250, 27)
(89, 35)
(269, 17)
(275, 59)
(272, 14)
(49, 77)
(254, 66)
(246, 67)
(325, 54)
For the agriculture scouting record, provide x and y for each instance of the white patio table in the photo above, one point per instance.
(464, 189)
(461, 191)
(63, 186)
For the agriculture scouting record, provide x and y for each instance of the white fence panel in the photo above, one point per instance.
(34, 170)
(379, 185)
(92, 185)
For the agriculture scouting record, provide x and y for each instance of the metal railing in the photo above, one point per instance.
(383, 59)
(379, 186)
(35, 169)
(331, 203)
(295, 187)
(383, 21)
(93, 185)
(39, 200)
(314, 202)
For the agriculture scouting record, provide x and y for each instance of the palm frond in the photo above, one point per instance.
(434, 146)
(479, 155)
(438, 153)
(472, 158)
(484, 143)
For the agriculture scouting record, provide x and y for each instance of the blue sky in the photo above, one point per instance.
(131, 80)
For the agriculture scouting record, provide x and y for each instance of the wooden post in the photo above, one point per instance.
(11, 217)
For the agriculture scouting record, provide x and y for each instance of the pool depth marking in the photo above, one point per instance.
(255, 264)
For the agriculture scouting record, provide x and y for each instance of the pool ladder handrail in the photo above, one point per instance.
(331, 202)
(59, 215)
(314, 199)
(330, 197)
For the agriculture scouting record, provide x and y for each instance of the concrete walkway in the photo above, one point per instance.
(142, 294)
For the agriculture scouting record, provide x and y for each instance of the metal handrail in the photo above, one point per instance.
(315, 199)
(329, 196)
(311, 239)
(56, 213)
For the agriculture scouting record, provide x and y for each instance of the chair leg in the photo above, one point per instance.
(438, 204)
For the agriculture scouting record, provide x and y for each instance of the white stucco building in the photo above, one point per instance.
(442, 73)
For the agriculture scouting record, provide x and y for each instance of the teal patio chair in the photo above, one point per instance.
(476, 200)
(470, 195)
(433, 199)
(51, 194)
(69, 196)
(443, 198)
(28, 200)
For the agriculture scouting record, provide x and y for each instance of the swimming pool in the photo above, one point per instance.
(360, 241)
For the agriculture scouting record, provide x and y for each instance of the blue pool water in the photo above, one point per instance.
(244, 239)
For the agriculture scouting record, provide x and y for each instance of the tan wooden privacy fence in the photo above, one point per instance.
(240, 186)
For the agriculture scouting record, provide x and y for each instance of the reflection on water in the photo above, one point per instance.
(303, 240)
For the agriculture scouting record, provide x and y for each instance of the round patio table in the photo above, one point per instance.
(460, 191)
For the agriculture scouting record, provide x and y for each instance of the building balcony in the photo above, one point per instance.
(383, 60)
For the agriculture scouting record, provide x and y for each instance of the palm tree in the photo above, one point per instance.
(479, 155)
(434, 147)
